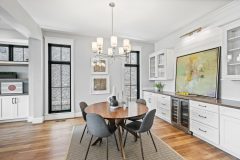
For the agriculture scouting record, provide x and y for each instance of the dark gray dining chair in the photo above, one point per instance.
(139, 101)
(97, 127)
(83, 105)
(142, 127)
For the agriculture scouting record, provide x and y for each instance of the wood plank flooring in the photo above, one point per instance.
(50, 140)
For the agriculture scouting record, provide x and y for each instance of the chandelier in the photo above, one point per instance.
(97, 46)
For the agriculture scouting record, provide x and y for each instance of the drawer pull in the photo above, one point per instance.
(202, 106)
(163, 97)
(164, 104)
(163, 113)
(202, 116)
(202, 130)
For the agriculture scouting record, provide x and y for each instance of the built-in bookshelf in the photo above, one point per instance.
(14, 59)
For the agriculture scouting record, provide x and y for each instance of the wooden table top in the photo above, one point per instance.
(134, 109)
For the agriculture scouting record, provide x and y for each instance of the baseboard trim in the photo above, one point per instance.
(59, 116)
(37, 120)
(30, 119)
(78, 114)
(13, 120)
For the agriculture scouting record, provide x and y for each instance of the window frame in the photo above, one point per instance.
(137, 65)
(50, 62)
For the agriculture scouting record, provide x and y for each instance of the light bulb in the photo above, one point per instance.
(94, 47)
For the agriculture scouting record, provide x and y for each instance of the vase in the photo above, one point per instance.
(113, 101)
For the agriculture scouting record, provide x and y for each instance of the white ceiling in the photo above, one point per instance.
(147, 20)
(4, 25)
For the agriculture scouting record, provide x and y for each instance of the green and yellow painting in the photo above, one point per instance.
(197, 73)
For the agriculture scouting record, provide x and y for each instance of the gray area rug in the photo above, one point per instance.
(77, 151)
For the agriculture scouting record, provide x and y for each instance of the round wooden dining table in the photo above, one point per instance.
(117, 115)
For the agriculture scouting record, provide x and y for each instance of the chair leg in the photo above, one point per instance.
(116, 140)
(83, 133)
(122, 130)
(141, 145)
(107, 148)
(135, 137)
(125, 139)
(153, 140)
(88, 148)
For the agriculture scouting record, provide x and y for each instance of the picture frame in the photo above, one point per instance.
(99, 66)
(100, 84)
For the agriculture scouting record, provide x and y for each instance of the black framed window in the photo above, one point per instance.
(59, 69)
(131, 76)
(17, 53)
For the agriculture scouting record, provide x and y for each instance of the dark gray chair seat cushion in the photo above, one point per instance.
(136, 118)
(133, 126)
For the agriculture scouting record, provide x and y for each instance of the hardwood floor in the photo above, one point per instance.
(50, 140)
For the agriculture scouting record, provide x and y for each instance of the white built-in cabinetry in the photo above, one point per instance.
(150, 100)
(231, 51)
(204, 121)
(161, 65)
(164, 107)
(230, 130)
(215, 124)
(159, 102)
(14, 107)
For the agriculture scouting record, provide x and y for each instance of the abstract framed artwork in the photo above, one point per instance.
(100, 84)
(99, 66)
(198, 73)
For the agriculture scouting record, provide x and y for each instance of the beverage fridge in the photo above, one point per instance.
(180, 114)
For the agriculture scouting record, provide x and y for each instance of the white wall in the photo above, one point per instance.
(82, 56)
(36, 81)
(209, 37)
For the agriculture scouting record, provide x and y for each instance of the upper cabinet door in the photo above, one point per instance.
(152, 67)
(161, 65)
(231, 51)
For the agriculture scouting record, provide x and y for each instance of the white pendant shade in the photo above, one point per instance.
(100, 41)
(94, 47)
(126, 43)
(113, 41)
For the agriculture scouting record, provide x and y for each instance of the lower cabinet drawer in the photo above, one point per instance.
(205, 106)
(164, 114)
(206, 117)
(209, 133)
